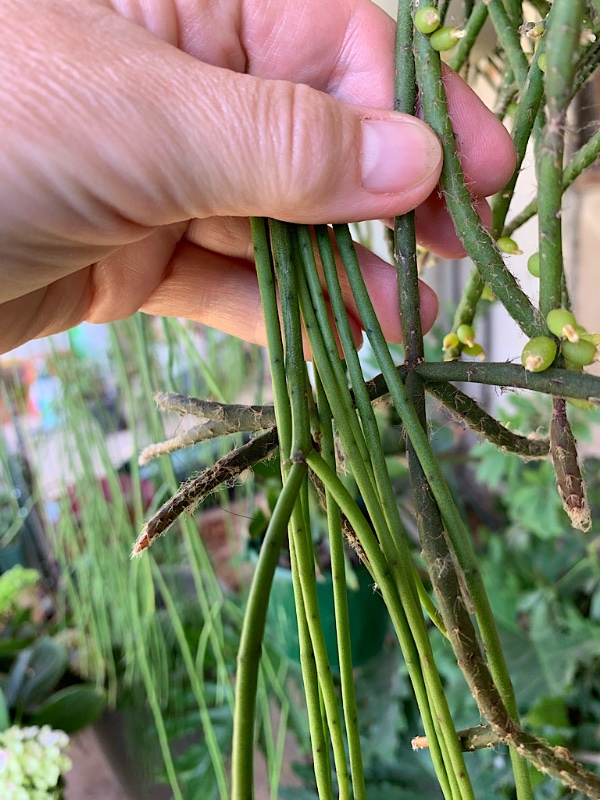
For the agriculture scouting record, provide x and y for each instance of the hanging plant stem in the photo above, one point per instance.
(340, 601)
(426, 680)
(250, 647)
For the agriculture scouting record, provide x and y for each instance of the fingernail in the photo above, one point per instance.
(397, 155)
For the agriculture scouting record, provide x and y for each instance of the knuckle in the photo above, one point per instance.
(305, 146)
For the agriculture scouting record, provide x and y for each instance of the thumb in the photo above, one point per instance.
(274, 148)
(141, 134)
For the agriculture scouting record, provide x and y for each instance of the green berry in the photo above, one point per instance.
(508, 245)
(581, 353)
(475, 351)
(511, 109)
(450, 341)
(562, 324)
(533, 265)
(542, 62)
(427, 19)
(487, 294)
(445, 38)
(539, 353)
(466, 335)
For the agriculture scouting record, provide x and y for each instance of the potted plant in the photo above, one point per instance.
(41, 701)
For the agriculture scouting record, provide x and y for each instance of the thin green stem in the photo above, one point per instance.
(508, 37)
(283, 236)
(268, 296)
(310, 668)
(252, 635)
(523, 123)
(336, 395)
(475, 23)
(392, 537)
(340, 601)
(379, 570)
(514, 10)
(303, 570)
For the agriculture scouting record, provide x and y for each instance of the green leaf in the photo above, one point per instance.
(35, 673)
(71, 709)
(549, 711)
(537, 508)
(492, 467)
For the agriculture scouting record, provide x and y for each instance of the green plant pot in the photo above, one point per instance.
(367, 613)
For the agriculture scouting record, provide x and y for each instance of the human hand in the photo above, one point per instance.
(139, 135)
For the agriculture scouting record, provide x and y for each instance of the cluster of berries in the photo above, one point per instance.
(427, 20)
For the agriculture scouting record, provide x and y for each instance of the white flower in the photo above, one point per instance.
(49, 737)
(32, 761)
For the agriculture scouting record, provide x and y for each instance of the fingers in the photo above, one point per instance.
(218, 291)
(435, 229)
(232, 236)
(227, 295)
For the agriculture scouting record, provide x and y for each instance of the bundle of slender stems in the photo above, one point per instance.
(302, 299)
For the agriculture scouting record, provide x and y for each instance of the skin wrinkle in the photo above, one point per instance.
(153, 137)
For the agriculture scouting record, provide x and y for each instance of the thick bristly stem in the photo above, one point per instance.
(561, 50)
(563, 448)
(482, 423)
(476, 240)
(226, 471)
(239, 417)
(558, 382)
(582, 159)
